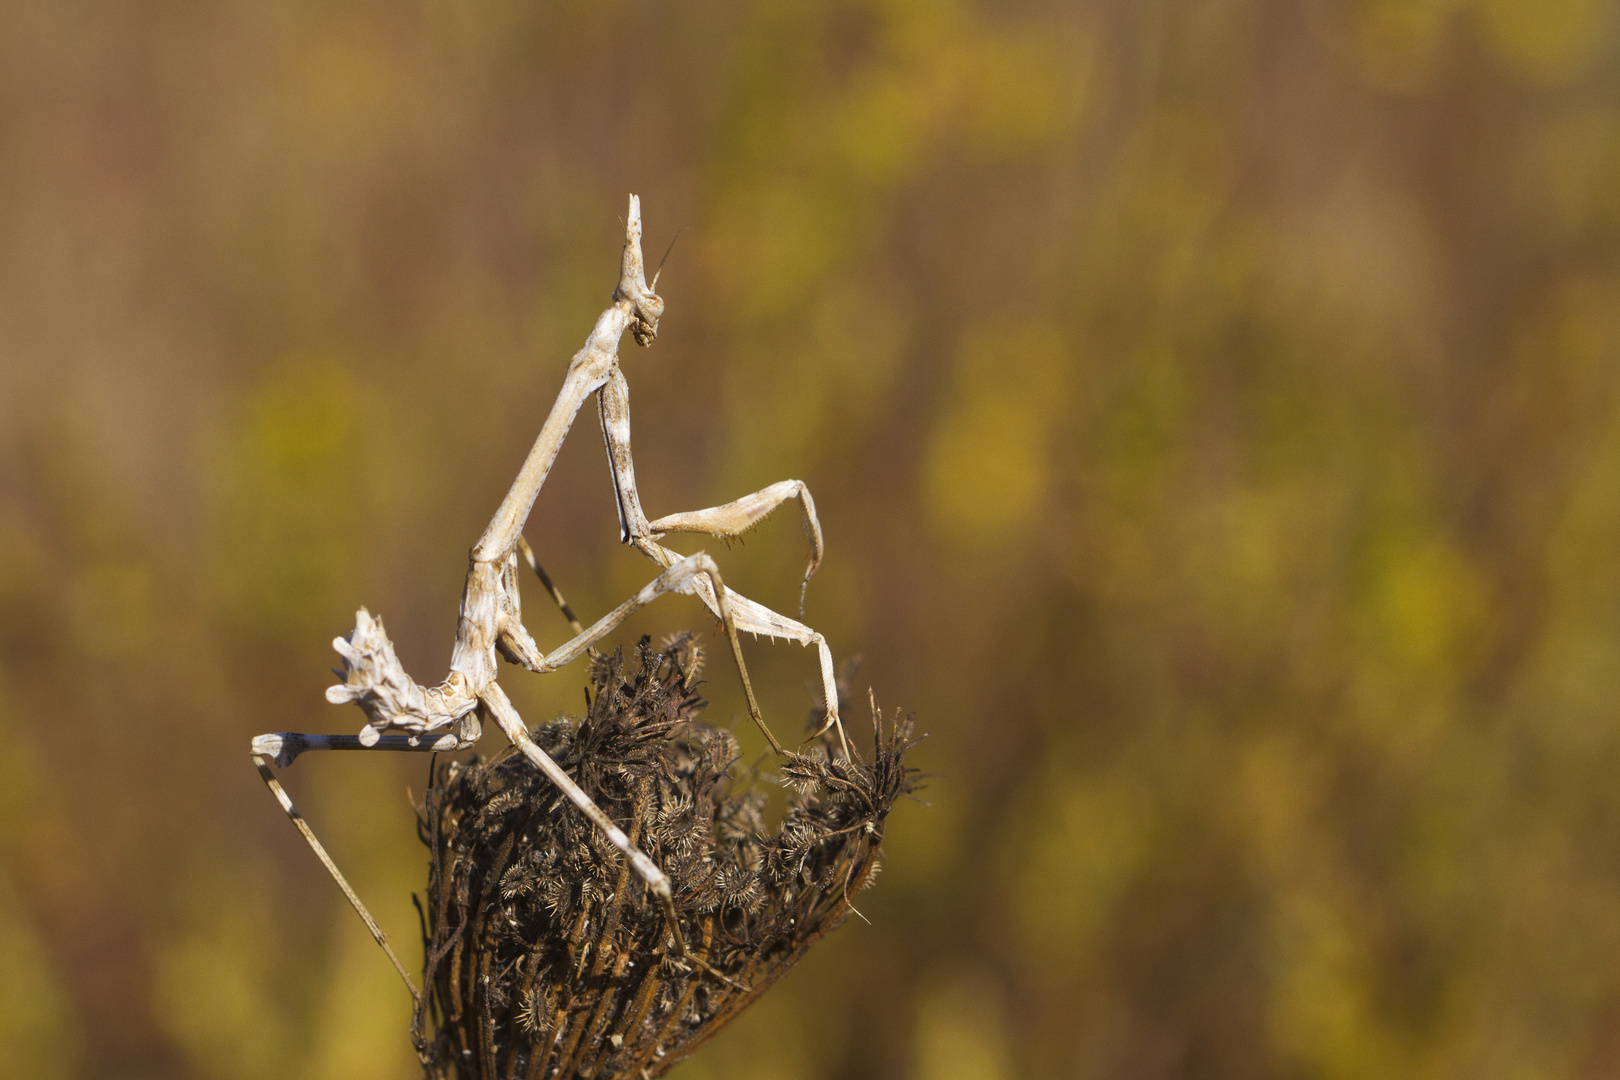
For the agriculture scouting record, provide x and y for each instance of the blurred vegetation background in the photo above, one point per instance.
(1212, 406)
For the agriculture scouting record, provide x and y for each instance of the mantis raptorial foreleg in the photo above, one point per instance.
(755, 618)
(738, 516)
(731, 519)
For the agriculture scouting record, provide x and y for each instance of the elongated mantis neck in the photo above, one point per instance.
(635, 306)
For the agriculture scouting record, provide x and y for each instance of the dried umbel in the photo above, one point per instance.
(545, 956)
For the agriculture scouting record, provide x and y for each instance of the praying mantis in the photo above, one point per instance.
(404, 715)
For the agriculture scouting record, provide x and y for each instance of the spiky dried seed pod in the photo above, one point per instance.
(545, 958)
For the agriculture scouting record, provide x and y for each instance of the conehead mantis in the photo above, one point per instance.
(404, 715)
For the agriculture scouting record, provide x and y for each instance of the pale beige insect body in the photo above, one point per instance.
(404, 715)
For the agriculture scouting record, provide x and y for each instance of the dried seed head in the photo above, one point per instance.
(545, 955)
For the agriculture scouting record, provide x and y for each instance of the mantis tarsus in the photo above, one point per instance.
(404, 715)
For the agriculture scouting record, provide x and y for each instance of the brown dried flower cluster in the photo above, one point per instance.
(545, 956)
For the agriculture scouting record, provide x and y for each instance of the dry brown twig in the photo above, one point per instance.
(404, 715)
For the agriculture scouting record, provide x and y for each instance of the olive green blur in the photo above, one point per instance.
(1213, 409)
